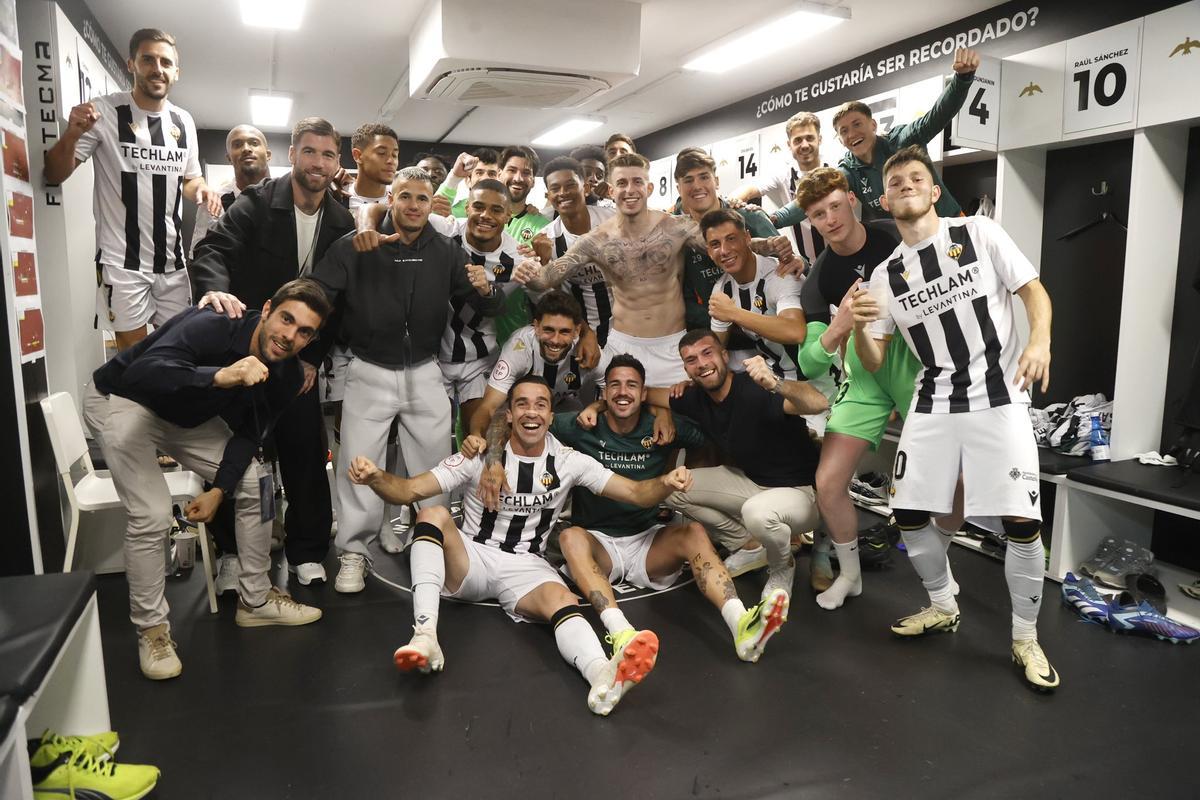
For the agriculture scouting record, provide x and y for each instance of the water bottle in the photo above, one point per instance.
(1098, 441)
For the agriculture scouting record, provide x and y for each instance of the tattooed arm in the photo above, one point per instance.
(551, 276)
(493, 481)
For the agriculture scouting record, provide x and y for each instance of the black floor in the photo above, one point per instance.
(836, 708)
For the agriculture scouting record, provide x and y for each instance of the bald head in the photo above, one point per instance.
(246, 149)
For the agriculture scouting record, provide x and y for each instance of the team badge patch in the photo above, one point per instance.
(1014, 473)
(527, 235)
(759, 302)
(498, 269)
(647, 442)
(175, 133)
(547, 479)
(955, 251)
(570, 378)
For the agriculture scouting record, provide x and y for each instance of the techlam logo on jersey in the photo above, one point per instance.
(943, 293)
(153, 158)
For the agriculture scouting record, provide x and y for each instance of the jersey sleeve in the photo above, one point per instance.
(563, 427)
(511, 364)
(812, 299)
(783, 291)
(687, 433)
(1011, 265)
(885, 325)
(713, 323)
(446, 226)
(86, 146)
(192, 168)
(457, 470)
(587, 472)
(595, 375)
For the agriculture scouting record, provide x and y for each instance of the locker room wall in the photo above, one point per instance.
(1084, 275)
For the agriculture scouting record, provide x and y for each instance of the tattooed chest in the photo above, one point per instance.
(648, 259)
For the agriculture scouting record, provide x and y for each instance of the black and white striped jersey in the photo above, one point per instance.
(469, 334)
(141, 160)
(355, 200)
(571, 385)
(766, 294)
(587, 284)
(780, 187)
(540, 486)
(951, 296)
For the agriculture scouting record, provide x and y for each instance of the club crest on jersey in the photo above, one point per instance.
(498, 269)
(547, 479)
(955, 251)
(175, 133)
(570, 378)
(759, 302)
(527, 235)
(647, 442)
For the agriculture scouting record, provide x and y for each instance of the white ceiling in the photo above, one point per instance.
(347, 57)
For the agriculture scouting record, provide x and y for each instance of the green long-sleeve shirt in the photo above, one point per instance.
(866, 180)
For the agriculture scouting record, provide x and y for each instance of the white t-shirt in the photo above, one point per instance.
(522, 355)
(204, 220)
(142, 160)
(306, 234)
(951, 297)
(470, 335)
(767, 293)
(540, 486)
(354, 199)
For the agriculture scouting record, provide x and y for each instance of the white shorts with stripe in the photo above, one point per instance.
(628, 556)
(127, 299)
(505, 577)
(467, 380)
(993, 447)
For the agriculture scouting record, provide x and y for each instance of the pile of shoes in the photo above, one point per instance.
(84, 766)
(1141, 609)
(875, 545)
(1067, 427)
(870, 489)
(1115, 561)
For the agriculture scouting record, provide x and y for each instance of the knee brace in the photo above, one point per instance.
(1022, 531)
(908, 520)
(428, 532)
(564, 614)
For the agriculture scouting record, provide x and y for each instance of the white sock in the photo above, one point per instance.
(947, 540)
(614, 620)
(1024, 572)
(427, 564)
(928, 557)
(732, 613)
(849, 579)
(577, 643)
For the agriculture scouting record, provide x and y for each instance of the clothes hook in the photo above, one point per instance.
(1103, 190)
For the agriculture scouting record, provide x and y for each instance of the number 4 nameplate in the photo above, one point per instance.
(1101, 78)
(978, 123)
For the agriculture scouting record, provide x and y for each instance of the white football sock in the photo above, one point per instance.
(614, 620)
(578, 645)
(732, 613)
(849, 579)
(427, 563)
(1024, 572)
(927, 554)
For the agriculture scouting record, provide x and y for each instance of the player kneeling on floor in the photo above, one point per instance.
(498, 553)
(624, 542)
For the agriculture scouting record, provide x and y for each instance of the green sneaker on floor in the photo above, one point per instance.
(759, 624)
(927, 620)
(79, 776)
(100, 746)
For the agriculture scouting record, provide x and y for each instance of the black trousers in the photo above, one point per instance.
(301, 447)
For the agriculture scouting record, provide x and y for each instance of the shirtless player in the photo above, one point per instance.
(640, 252)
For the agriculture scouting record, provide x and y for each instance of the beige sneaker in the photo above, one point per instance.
(280, 609)
(156, 653)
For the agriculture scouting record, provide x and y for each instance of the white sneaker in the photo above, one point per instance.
(781, 578)
(744, 561)
(390, 540)
(422, 653)
(352, 573)
(227, 574)
(634, 654)
(156, 653)
(308, 572)
(280, 609)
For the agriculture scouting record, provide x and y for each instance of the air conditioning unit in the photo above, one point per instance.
(524, 53)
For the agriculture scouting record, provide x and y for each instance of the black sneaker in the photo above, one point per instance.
(866, 494)
(1107, 549)
(1130, 559)
(875, 545)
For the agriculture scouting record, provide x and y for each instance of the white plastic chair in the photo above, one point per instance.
(95, 492)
